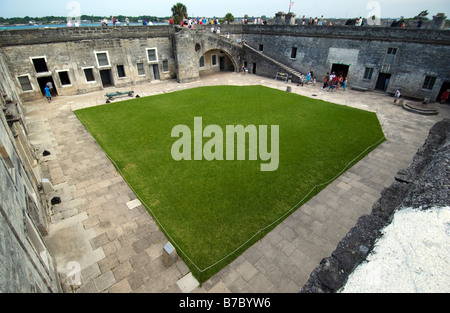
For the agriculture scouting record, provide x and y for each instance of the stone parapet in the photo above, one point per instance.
(63, 34)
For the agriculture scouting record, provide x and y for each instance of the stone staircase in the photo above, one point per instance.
(285, 67)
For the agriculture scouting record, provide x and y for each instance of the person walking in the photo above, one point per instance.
(50, 86)
(344, 85)
(326, 81)
(48, 94)
(397, 95)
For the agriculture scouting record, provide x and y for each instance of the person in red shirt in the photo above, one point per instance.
(445, 95)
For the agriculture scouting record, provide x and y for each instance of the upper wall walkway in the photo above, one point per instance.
(61, 34)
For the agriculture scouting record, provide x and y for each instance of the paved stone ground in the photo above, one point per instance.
(100, 225)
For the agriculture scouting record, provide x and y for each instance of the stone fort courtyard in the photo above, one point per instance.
(101, 225)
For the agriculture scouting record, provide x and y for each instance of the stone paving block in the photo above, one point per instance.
(143, 231)
(139, 260)
(104, 281)
(155, 285)
(115, 233)
(121, 287)
(89, 287)
(187, 283)
(220, 287)
(122, 271)
(109, 248)
(125, 253)
(108, 263)
(155, 251)
(182, 268)
(133, 204)
(260, 283)
(240, 286)
(137, 279)
(99, 241)
(246, 270)
(142, 244)
(90, 272)
(288, 233)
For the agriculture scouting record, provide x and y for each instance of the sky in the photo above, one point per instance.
(208, 8)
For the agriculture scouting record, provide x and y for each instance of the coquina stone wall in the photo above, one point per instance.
(383, 58)
(408, 56)
(25, 262)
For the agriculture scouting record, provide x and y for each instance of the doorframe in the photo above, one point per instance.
(386, 77)
(111, 79)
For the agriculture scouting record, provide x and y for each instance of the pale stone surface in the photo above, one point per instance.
(188, 283)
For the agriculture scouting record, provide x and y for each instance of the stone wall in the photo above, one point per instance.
(76, 34)
(74, 51)
(26, 265)
(191, 45)
(420, 54)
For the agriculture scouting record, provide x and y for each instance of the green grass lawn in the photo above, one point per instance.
(210, 208)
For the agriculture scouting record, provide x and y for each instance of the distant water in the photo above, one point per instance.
(64, 25)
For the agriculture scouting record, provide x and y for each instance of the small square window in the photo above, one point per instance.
(261, 47)
(368, 73)
(152, 56)
(102, 59)
(89, 74)
(121, 71)
(64, 78)
(25, 83)
(141, 69)
(429, 82)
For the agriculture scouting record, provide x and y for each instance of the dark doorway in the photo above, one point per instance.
(225, 63)
(222, 63)
(155, 72)
(340, 69)
(254, 68)
(383, 81)
(444, 88)
(106, 78)
(42, 81)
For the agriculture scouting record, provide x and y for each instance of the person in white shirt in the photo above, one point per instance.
(397, 95)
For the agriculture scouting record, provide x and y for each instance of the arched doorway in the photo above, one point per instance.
(214, 61)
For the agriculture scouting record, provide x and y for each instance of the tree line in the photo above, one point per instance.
(93, 18)
(179, 12)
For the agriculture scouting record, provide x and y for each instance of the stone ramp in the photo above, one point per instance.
(283, 66)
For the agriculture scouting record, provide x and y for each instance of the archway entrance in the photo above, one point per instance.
(214, 61)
